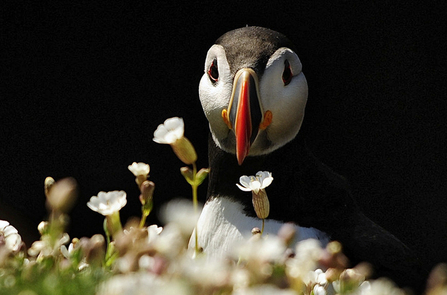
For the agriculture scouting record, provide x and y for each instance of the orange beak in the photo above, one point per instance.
(245, 111)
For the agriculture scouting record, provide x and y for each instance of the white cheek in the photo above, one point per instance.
(287, 104)
(214, 99)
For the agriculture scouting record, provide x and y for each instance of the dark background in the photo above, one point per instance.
(85, 85)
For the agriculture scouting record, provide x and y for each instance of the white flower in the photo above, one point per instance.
(170, 131)
(9, 236)
(240, 278)
(270, 248)
(318, 280)
(204, 272)
(45, 247)
(66, 252)
(305, 261)
(255, 183)
(320, 277)
(146, 262)
(319, 290)
(153, 231)
(170, 241)
(108, 203)
(180, 212)
(381, 286)
(139, 169)
(364, 288)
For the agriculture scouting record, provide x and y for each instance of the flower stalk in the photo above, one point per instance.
(172, 132)
(195, 179)
(147, 191)
(60, 198)
(141, 172)
(195, 203)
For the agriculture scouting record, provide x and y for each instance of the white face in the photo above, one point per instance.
(284, 95)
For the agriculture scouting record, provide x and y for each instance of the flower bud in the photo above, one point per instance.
(187, 174)
(255, 231)
(43, 227)
(364, 269)
(261, 204)
(62, 195)
(437, 280)
(93, 248)
(201, 175)
(287, 233)
(333, 256)
(332, 274)
(49, 181)
(184, 150)
(351, 275)
(147, 192)
(333, 247)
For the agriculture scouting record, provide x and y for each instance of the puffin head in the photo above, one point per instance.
(253, 91)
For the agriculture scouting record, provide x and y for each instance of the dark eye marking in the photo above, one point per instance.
(287, 73)
(213, 71)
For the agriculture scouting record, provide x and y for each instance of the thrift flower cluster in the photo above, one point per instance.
(141, 259)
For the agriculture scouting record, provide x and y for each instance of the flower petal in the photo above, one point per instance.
(10, 230)
(174, 123)
(3, 224)
(243, 188)
(265, 178)
(245, 181)
(170, 131)
(266, 182)
(160, 134)
(255, 186)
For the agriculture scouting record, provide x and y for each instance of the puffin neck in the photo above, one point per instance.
(303, 190)
(225, 173)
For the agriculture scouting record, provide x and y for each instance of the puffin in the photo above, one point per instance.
(253, 93)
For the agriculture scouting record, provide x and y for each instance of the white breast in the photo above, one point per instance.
(223, 223)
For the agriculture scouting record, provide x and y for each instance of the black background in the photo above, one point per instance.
(84, 86)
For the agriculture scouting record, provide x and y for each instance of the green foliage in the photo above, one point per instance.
(46, 277)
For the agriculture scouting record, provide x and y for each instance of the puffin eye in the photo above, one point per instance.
(287, 74)
(213, 71)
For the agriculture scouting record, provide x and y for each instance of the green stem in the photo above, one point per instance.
(111, 254)
(106, 230)
(145, 211)
(262, 229)
(143, 220)
(195, 203)
(114, 224)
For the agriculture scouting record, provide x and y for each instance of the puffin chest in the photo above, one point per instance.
(223, 223)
